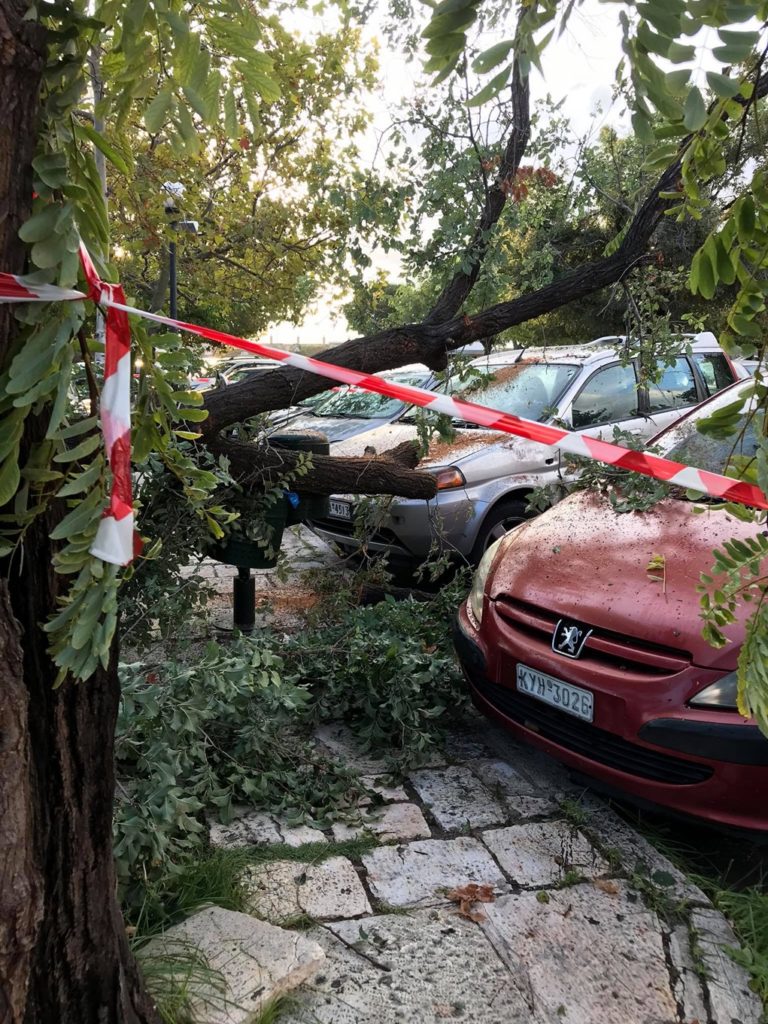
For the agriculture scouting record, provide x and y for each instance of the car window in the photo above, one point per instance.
(609, 396)
(712, 453)
(527, 389)
(714, 369)
(354, 402)
(675, 388)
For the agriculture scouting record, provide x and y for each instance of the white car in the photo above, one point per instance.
(484, 477)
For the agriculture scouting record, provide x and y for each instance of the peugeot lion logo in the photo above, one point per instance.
(569, 638)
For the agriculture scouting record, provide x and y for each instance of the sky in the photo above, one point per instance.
(580, 68)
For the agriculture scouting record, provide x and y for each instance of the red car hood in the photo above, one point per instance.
(584, 561)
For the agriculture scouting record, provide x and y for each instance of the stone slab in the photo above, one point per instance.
(636, 853)
(521, 799)
(393, 823)
(254, 962)
(256, 828)
(466, 745)
(418, 874)
(536, 766)
(727, 983)
(457, 799)
(341, 745)
(380, 784)
(687, 986)
(283, 890)
(541, 853)
(247, 828)
(584, 957)
(429, 967)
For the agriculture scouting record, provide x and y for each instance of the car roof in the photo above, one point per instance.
(592, 351)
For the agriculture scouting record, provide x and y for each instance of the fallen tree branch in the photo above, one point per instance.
(430, 342)
(392, 472)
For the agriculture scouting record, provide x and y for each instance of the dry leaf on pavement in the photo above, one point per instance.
(467, 895)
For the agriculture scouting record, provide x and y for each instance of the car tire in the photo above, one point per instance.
(501, 518)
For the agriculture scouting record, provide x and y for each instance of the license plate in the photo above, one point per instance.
(563, 696)
(341, 509)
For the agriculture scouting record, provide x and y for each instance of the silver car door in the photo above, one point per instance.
(607, 399)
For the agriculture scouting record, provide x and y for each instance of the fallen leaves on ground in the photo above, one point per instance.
(467, 895)
(605, 885)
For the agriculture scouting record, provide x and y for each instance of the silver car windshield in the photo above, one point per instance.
(354, 403)
(528, 389)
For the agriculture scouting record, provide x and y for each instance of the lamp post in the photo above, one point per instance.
(175, 190)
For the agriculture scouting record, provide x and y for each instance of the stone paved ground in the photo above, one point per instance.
(586, 924)
(282, 594)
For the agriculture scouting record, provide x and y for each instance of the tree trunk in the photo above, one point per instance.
(64, 956)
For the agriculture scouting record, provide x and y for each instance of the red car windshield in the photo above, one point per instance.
(684, 443)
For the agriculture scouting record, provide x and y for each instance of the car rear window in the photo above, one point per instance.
(714, 369)
(675, 388)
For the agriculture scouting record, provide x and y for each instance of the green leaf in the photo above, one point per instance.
(642, 128)
(10, 477)
(722, 86)
(733, 54)
(488, 59)
(156, 113)
(51, 168)
(442, 24)
(725, 268)
(695, 111)
(446, 46)
(83, 481)
(115, 157)
(746, 41)
(231, 126)
(49, 252)
(41, 225)
(702, 278)
(80, 518)
(680, 54)
(495, 85)
(745, 219)
(79, 451)
(446, 71)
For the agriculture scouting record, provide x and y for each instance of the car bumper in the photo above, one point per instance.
(706, 764)
(410, 527)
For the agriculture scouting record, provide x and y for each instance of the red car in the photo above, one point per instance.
(569, 643)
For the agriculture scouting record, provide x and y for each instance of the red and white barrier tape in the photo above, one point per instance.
(116, 546)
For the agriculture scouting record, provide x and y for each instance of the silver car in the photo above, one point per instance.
(484, 478)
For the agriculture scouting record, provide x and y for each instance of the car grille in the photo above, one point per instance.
(589, 741)
(614, 650)
(340, 526)
(346, 528)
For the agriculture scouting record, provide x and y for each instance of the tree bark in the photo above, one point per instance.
(64, 956)
(388, 473)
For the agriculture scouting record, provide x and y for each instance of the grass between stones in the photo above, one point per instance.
(732, 871)
(174, 977)
(215, 878)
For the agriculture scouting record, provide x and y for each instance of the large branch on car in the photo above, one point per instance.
(430, 342)
(392, 472)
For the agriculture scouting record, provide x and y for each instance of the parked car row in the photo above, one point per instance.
(570, 642)
(484, 478)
